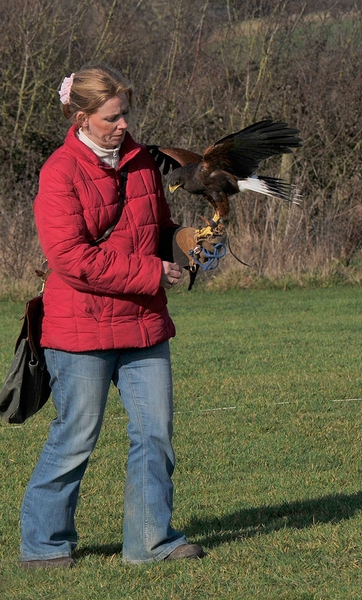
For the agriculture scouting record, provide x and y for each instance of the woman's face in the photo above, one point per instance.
(107, 126)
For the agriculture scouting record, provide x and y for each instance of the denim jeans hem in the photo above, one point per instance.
(166, 550)
(23, 558)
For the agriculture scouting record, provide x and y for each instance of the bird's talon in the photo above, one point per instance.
(210, 232)
(204, 233)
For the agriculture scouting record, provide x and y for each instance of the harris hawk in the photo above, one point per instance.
(229, 166)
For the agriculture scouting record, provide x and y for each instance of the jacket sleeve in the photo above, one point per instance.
(65, 242)
(167, 226)
(167, 231)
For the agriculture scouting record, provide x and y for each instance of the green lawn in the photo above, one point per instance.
(268, 422)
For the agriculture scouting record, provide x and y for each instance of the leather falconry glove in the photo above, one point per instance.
(193, 248)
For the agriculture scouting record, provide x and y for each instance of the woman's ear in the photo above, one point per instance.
(81, 119)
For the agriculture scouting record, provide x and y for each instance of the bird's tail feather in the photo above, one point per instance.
(270, 186)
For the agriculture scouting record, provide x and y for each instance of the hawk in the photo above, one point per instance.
(229, 166)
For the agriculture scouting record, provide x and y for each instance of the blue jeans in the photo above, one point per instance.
(80, 385)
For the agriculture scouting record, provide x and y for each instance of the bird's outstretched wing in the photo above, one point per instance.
(172, 158)
(242, 152)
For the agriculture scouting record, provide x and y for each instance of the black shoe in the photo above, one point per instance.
(63, 562)
(186, 551)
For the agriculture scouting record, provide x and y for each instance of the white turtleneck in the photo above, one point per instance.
(109, 156)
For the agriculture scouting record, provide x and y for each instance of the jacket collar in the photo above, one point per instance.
(128, 150)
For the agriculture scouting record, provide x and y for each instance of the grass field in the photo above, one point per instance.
(268, 415)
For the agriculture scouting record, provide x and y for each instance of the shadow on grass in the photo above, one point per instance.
(263, 520)
(103, 550)
(248, 522)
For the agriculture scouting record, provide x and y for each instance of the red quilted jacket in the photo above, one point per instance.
(105, 296)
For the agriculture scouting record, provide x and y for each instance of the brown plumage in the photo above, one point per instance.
(229, 166)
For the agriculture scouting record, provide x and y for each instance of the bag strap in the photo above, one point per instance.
(45, 271)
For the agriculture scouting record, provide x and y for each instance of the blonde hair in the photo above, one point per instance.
(92, 86)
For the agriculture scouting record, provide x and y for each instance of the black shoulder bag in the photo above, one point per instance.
(26, 388)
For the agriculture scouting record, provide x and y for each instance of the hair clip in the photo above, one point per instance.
(65, 89)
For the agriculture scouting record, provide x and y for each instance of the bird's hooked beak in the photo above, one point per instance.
(173, 188)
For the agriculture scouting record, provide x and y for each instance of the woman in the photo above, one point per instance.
(105, 319)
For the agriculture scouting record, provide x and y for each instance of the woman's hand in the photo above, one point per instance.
(171, 274)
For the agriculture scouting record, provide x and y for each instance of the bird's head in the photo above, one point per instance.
(186, 178)
(176, 179)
